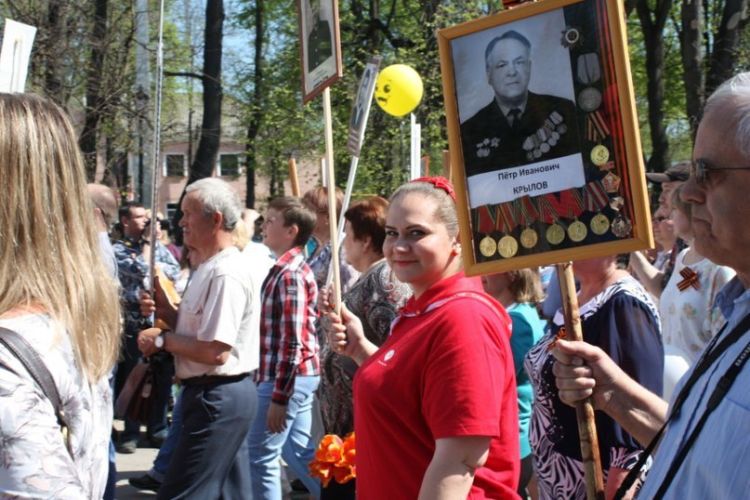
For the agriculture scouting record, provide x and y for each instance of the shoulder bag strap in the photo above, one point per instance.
(30, 359)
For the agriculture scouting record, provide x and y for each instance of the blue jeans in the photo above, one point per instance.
(161, 462)
(294, 444)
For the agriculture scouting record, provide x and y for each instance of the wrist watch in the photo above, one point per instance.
(159, 341)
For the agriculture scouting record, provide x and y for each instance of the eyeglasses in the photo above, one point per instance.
(699, 170)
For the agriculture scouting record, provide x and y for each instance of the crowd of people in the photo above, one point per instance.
(455, 386)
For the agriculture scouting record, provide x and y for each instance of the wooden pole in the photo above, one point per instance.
(592, 463)
(426, 165)
(447, 172)
(293, 179)
(332, 220)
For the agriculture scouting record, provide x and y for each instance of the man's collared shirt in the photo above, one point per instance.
(132, 269)
(218, 306)
(288, 345)
(717, 464)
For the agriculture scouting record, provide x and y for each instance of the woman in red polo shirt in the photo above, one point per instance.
(435, 407)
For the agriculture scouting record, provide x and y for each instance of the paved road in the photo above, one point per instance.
(133, 465)
(140, 462)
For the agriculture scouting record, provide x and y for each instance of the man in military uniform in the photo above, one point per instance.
(319, 45)
(517, 127)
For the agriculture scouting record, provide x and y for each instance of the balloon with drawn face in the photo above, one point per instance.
(398, 89)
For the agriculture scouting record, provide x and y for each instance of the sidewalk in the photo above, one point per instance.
(133, 465)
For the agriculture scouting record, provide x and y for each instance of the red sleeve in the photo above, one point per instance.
(468, 367)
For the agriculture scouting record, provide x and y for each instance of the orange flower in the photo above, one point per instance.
(322, 471)
(348, 451)
(334, 459)
(343, 475)
(329, 449)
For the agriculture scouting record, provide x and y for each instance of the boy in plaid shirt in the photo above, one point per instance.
(289, 370)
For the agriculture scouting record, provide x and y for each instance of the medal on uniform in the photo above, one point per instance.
(621, 226)
(611, 183)
(529, 214)
(507, 247)
(571, 37)
(599, 155)
(507, 220)
(555, 234)
(577, 230)
(589, 99)
(595, 198)
(484, 222)
(599, 224)
(588, 69)
(487, 246)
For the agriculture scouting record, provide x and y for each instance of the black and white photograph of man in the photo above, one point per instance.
(318, 38)
(514, 87)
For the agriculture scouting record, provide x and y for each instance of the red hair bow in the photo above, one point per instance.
(439, 183)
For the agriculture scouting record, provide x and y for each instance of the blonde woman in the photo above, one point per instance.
(57, 294)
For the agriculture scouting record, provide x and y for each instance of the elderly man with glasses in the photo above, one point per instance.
(705, 429)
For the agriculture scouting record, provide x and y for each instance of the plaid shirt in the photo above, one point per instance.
(288, 345)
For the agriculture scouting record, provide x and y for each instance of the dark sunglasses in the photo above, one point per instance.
(699, 170)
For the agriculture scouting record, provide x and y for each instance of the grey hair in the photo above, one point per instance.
(733, 99)
(217, 196)
(446, 207)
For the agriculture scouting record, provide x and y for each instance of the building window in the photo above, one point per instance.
(229, 165)
(174, 165)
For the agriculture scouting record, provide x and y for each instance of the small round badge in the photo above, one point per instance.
(599, 155)
(599, 224)
(487, 246)
(529, 238)
(577, 231)
(589, 99)
(555, 234)
(621, 226)
(507, 247)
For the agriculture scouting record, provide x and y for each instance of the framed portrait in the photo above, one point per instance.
(320, 45)
(543, 136)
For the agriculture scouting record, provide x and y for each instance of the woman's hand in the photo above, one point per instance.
(346, 336)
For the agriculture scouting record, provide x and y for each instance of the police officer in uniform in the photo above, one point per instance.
(517, 127)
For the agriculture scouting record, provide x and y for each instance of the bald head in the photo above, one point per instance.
(105, 204)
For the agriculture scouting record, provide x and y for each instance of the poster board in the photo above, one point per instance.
(320, 45)
(543, 136)
(361, 106)
(17, 42)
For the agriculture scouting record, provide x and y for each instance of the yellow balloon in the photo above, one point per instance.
(398, 89)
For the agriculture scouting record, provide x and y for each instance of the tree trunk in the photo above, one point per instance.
(256, 115)
(727, 40)
(52, 71)
(691, 51)
(653, 31)
(208, 145)
(94, 101)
